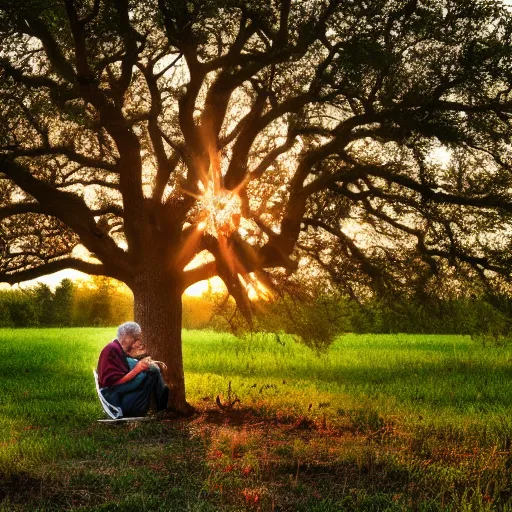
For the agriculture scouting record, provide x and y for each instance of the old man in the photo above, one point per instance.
(126, 382)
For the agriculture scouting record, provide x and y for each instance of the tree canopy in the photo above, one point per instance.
(262, 134)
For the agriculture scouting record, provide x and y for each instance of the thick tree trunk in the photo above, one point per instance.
(158, 310)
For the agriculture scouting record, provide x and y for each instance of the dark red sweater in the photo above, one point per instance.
(112, 364)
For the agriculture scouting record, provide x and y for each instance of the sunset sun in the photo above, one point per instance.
(220, 212)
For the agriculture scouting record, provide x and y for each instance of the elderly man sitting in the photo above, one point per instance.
(126, 382)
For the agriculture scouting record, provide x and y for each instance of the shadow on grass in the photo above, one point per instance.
(238, 460)
(135, 466)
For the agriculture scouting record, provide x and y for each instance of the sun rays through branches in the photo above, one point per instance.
(217, 224)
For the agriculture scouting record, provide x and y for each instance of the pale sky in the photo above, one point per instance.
(52, 280)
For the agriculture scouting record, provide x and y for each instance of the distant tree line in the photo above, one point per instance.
(96, 302)
(318, 320)
(315, 319)
(482, 315)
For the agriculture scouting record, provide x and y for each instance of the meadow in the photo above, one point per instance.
(376, 423)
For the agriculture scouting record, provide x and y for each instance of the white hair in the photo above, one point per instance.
(130, 328)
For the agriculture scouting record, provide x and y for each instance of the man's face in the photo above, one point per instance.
(137, 343)
(130, 342)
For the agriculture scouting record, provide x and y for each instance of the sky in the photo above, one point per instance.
(53, 280)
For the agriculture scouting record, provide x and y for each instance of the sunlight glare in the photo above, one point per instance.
(220, 210)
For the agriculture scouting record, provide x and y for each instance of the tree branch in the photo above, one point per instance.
(73, 212)
(68, 152)
(60, 93)
(36, 28)
(371, 270)
(165, 165)
(427, 193)
(271, 157)
(92, 15)
(194, 275)
(77, 30)
(130, 37)
(55, 266)
(111, 117)
(19, 209)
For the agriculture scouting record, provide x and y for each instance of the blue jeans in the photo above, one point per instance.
(133, 396)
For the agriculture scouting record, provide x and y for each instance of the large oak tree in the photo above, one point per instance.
(252, 133)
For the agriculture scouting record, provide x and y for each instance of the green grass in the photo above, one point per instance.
(387, 422)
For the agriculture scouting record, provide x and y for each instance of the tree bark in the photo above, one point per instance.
(158, 310)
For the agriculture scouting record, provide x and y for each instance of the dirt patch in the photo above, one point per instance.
(233, 417)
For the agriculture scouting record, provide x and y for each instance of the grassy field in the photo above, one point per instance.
(378, 423)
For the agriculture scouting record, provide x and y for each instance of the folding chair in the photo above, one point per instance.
(113, 412)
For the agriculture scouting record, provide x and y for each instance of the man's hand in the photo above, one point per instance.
(143, 364)
(140, 367)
